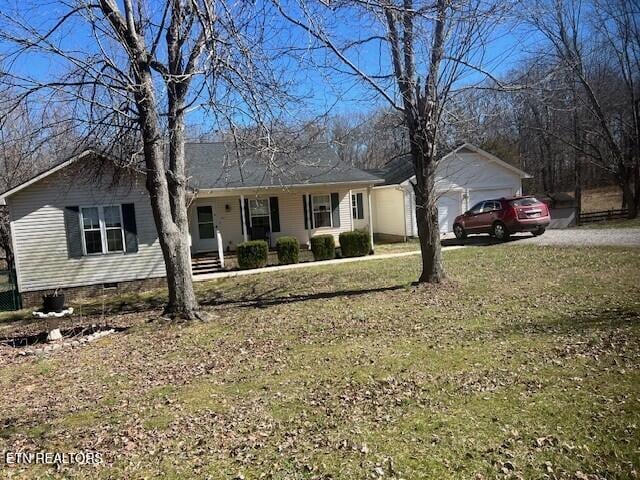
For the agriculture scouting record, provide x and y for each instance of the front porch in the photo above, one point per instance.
(221, 220)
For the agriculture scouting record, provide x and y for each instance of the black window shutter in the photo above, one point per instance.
(335, 209)
(360, 206)
(306, 212)
(247, 219)
(74, 232)
(241, 223)
(275, 214)
(130, 227)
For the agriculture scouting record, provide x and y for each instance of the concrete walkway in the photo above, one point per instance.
(337, 261)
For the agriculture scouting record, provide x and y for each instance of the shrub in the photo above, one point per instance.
(288, 250)
(323, 247)
(355, 244)
(253, 254)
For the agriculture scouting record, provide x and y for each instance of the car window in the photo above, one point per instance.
(477, 208)
(524, 202)
(491, 206)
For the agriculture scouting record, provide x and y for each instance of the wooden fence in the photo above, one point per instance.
(602, 216)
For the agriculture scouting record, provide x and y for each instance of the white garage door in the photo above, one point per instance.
(448, 210)
(476, 196)
(449, 207)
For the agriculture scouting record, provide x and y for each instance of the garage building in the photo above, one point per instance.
(465, 176)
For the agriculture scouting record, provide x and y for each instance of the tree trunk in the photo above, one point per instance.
(182, 299)
(577, 193)
(427, 218)
(629, 199)
(172, 231)
(577, 160)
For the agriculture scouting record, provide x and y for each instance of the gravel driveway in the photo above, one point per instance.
(624, 237)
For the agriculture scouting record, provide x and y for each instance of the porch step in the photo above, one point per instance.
(208, 264)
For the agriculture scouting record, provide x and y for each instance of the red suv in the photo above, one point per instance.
(502, 217)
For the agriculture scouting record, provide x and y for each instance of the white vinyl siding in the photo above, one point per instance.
(388, 216)
(40, 236)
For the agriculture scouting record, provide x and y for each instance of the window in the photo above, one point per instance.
(321, 211)
(525, 202)
(477, 208)
(102, 230)
(113, 228)
(205, 222)
(357, 207)
(491, 206)
(92, 231)
(259, 212)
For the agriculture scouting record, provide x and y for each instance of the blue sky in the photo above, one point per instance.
(324, 90)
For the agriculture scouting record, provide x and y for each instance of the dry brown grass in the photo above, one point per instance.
(601, 198)
(526, 364)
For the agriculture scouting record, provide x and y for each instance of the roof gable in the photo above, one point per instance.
(400, 170)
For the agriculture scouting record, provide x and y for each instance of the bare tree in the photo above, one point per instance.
(29, 142)
(369, 139)
(427, 45)
(143, 66)
(599, 46)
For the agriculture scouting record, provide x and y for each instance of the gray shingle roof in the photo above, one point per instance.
(396, 171)
(219, 165)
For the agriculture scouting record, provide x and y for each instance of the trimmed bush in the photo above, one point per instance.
(253, 254)
(355, 244)
(288, 250)
(323, 247)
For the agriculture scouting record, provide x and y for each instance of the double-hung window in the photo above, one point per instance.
(321, 211)
(259, 212)
(357, 207)
(102, 230)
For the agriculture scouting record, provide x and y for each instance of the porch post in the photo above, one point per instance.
(242, 216)
(370, 217)
(351, 208)
(220, 247)
(309, 217)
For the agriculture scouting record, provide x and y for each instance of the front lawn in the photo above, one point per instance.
(525, 365)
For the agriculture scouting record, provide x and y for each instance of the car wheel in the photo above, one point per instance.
(500, 231)
(459, 232)
(539, 231)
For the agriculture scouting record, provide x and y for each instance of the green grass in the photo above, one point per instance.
(410, 245)
(525, 364)
(624, 223)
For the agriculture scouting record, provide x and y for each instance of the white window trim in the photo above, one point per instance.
(313, 208)
(103, 231)
(268, 211)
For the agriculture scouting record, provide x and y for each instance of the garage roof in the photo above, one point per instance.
(400, 169)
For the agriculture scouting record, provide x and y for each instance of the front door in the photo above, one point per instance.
(206, 231)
